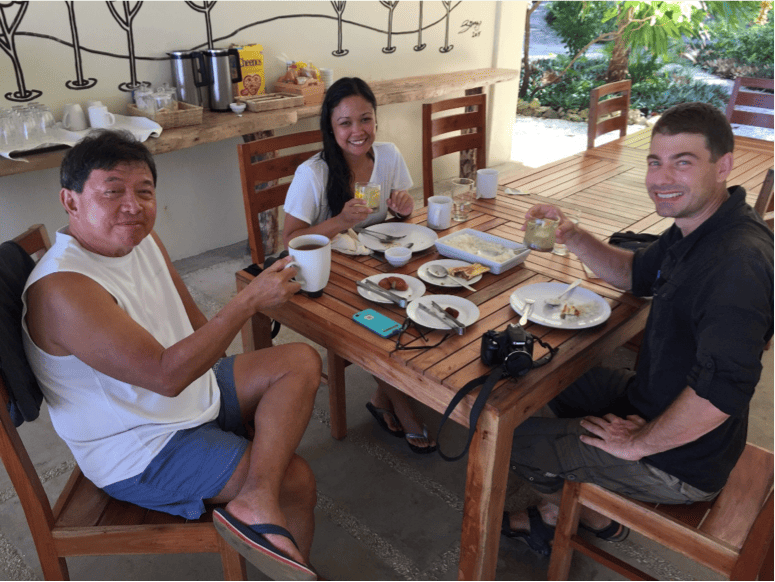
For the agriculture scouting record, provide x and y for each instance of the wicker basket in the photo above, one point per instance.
(185, 114)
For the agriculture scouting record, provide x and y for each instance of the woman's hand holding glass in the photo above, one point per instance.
(355, 210)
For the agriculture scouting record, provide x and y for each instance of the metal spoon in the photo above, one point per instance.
(556, 301)
(440, 272)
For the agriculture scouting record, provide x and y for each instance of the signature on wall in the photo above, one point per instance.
(127, 15)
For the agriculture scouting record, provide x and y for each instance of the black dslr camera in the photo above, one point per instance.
(513, 349)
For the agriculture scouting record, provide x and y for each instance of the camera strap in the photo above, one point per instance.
(489, 380)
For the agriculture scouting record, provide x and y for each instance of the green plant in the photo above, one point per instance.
(577, 23)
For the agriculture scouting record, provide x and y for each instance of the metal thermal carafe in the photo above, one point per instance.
(219, 64)
(191, 79)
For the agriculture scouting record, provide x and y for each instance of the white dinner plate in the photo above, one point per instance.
(422, 236)
(423, 273)
(594, 309)
(468, 312)
(416, 288)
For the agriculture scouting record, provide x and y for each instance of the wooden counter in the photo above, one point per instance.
(219, 126)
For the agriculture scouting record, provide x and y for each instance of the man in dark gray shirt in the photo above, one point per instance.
(672, 431)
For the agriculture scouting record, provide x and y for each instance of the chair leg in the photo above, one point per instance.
(337, 396)
(54, 567)
(234, 567)
(567, 525)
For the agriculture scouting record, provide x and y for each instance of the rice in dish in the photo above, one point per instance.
(483, 248)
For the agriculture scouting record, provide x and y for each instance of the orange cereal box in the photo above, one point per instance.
(253, 82)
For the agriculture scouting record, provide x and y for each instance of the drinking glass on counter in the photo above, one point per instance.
(9, 132)
(462, 197)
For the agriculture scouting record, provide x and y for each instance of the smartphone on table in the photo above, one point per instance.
(380, 324)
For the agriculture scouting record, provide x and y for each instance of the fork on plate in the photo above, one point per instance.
(380, 236)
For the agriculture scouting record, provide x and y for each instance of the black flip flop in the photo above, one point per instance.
(378, 414)
(417, 449)
(609, 533)
(538, 538)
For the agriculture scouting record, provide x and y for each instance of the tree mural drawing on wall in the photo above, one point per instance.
(8, 43)
(420, 44)
(339, 8)
(447, 47)
(206, 9)
(80, 82)
(391, 6)
(125, 22)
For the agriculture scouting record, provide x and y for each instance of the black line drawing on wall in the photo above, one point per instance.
(8, 44)
(420, 44)
(206, 9)
(447, 47)
(126, 23)
(339, 8)
(80, 82)
(391, 6)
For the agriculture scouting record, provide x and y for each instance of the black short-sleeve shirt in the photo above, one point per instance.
(711, 315)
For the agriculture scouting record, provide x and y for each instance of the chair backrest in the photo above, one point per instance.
(472, 125)
(260, 168)
(764, 202)
(599, 108)
(760, 99)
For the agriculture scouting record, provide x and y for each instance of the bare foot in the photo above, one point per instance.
(381, 400)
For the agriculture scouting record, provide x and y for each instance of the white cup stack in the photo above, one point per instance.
(327, 76)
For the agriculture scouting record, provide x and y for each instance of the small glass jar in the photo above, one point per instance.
(146, 102)
(539, 234)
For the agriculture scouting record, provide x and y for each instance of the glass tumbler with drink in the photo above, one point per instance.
(462, 197)
(370, 192)
(539, 234)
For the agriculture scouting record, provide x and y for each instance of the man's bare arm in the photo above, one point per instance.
(688, 418)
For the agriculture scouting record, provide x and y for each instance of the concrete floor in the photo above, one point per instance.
(383, 512)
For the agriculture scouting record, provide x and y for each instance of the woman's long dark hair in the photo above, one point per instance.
(339, 188)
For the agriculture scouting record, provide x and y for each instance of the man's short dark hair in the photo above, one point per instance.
(700, 118)
(102, 150)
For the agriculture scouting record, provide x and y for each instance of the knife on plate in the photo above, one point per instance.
(374, 288)
(458, 329)
(447, 315)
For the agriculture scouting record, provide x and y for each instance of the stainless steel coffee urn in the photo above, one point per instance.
(191, 77)
(223, 67)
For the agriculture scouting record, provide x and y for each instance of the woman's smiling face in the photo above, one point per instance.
(355, 125)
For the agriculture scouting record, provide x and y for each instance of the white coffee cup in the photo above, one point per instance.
(312, 258)
(99, 116)
(93, 103)
(486, 183)
(74, 118)
(439, 212)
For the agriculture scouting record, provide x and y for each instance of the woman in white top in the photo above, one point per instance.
(320, 200)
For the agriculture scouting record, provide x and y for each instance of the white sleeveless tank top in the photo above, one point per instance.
(115, 429)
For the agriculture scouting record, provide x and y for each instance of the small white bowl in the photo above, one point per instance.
(398, 256)
(237, 107)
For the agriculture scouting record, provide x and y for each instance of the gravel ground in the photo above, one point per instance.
(540, 141)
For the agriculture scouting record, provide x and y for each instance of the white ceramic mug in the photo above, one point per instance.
(312, 258)
(74, 118)
(486, 183)
(439, 212)
(99, 116)
(93, 103)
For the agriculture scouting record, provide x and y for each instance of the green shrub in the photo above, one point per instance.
(578, 23)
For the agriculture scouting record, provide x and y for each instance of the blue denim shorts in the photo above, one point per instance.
(196, 463)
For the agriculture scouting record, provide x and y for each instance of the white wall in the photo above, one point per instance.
(200, 202)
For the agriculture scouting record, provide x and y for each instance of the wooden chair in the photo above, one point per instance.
(85, 521)
(759, 99)
(764, 202)
(260, 168)
(261, 192)
(473, 136)
(599, 108)
(733, 534)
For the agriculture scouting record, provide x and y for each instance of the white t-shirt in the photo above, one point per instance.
(306, 198)
(115, 429)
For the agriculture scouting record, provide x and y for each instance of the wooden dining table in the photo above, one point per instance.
(606, 185)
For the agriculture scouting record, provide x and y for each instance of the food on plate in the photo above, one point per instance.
(576, 310)
(391, 283)
(486, 249)
(569, 310)
(452, 311)
(469, 271)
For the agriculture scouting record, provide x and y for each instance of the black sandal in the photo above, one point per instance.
(538, 538)
(609, 533)
(378, 414)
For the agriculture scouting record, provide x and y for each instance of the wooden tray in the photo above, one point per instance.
(313, 91)
(272, 101)
(185, 114)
